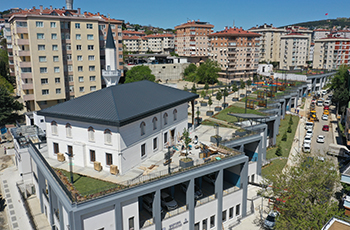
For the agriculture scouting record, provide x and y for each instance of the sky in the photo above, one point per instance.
(220, 13)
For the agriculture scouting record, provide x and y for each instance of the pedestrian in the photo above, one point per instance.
(5, 150)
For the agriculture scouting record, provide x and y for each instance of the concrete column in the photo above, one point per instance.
(276, 125)
(51, 205)
(261, 153)
(77, 222)
(219, 195)
(59, 205)
(156, 210)
(41, 184)
(264, 144)
(192, 105)
(244, 184)
(118, 219)
(190, 203)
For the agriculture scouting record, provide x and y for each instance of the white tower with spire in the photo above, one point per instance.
(111, 74)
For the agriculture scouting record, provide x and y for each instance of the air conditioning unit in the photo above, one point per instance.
(113, 169)
(97, 166)
(60, 157)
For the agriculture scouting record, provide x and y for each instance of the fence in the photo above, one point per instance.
(205, 200)
(23, 192)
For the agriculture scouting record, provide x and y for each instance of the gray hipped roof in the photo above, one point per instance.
(110, 41)
(119, 105)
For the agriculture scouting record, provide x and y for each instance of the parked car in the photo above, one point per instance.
(326, 107)
(307, 140)
(325, 117)
(326, 112)
(325, 128)
(270, 221)
(168, 202)
(309, 133)
(327, 102)
(309, 125)
(197, 191)
(320, 139)
(306, 148)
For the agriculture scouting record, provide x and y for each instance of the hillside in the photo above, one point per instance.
(326, 24)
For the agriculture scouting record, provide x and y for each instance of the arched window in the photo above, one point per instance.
(108, 136)
(154, 121)
(54, 127)
(68, 130)
(91, 134)
(175, 114)
(165, 118)
(142, 127)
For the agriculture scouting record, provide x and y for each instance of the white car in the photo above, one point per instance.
(320, 139)
(168, 202)
(309, 133)
(307, 140)
(270, 220)
(325, 117)
(306, 148)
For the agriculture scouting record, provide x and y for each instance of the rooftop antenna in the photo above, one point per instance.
(233, 23)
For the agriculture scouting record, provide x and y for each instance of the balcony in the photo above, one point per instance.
(23, 41)
(25, 64)
(28, 97)
(22, 30)
(26, 75)
(27, 86)
(24, 53)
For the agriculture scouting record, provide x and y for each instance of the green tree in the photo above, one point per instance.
(210, 102)
(225, 92)
(234, 88)
(305, 193)
(278, 151)
(340, 85)
(6, 84)
(187, 139)
(206, 86)
(203, 94)
(193, 89)
(190, 70)
(242, 84)
(139, 73)
(290, 120)
(218, 96)
(289, 130)
(249, 82)
(284, 137)
(208, 72)
(9, 107)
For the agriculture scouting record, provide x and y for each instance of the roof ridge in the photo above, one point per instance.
(114, 102)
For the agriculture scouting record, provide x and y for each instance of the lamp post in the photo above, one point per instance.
(70, 155)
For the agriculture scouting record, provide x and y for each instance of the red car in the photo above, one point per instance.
(326, 107)
(325, 128)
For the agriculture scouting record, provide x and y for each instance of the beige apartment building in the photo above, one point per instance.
(236, 51)
(331, 52)
(192, 39)
(294, 51)
(57, 54)
(156, 43)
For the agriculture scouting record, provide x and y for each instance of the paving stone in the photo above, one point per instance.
(12, 212)
(7, 190)
(4, 181)
(6, 186)
(15, 225)
(9, 200)
(13, 218)
(11, 206)
(8, 195)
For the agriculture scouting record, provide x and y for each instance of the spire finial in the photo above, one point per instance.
(109, 19)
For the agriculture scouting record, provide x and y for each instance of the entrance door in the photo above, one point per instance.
(172, 136)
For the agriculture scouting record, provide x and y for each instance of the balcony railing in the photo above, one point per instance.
(176, 212)
(26, 75)
(24, 64)
(27, 86)
(205, 200)
(23, 41)
(28, 97)
(24, 53)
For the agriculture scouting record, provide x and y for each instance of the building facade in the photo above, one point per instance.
(294, 51)
(236, 51)
(57, 54)
(192, 39)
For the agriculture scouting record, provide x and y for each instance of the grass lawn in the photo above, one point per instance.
(88, 185)
(276, 166)
(285, 145)
(222, 115)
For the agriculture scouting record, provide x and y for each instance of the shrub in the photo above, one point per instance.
(290, 121)
(289, 130)
(278, 151)
(284, 137)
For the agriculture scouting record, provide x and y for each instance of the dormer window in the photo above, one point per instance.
(142, 127)
(175, 114)
(68, 130)
(91, 134)
(54, 128)
(165, 118)
(108, 136)
(154, 121)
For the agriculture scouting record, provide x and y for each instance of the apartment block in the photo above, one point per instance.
(331, 52)
(156, 43)
(57, 54)
(294, 51)
(192, 39)
(236, 51)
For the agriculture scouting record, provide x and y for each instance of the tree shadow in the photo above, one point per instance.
(2, 203)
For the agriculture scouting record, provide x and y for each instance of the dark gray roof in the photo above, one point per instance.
(119, 105)
(110, 41)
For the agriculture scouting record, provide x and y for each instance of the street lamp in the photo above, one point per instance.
(228, 63)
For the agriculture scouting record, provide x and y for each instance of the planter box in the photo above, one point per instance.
(224, 105)
(242, 95)
(218, 108)
(215, 139)
(203, 103)
(206, 97)
(253, 89)
(235, 99)
(210, 113)
(195, 102)
(249, 92)
(185, 164)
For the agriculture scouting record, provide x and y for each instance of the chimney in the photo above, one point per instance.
(63, 8)
(33, 7)
(69, 4)
(98, 13)
(50, 7)
(41, 8)
(79, 11)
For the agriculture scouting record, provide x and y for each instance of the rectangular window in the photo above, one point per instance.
(92, 78)
(109, 160)
(204, 224)
(212, 221)
(238, 209)
(224, 216)
(40, 36)
(77, 25)
(53, 24)
(230, 213)
(90, 47)
(55, 58)
(155, 143)
(41, 47)
(78, 36)
(42, 58)
(79, 57)
(70, 68)
(88, 26)
(57, 80)
(58, 91)
(143, 150)
(54, 47)
(112, 27)
(53, 36)
(39, 24)
(78, 47)
(70, 150)
(56, 148)
(91, 68)
(68, 47)
(45, 92)
(92, 155)
(81, 89)
(92, 88)
(69, 57)
(80, 69)
(44, 81)
(165, 138)
(91, 57)
(81, 79)
(70, 78)
(43, 70)
(71, 88)
(56, 69)
(131, 223)
(90, 37)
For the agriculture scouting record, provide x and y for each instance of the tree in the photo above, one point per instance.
(225, 92)
(187, 139)
(284, 137)
(249, 82)
(340, 85)
(208, 72)
(193, 89)
(242, 84)
(203, 94)
(218, 96)
(139, 73)
(190, 70)
(290, 120)
(234, 88)
(289, 130)
(210, 102)
(278, 151)
(9, 107)
(305, 193)
(206, 86)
